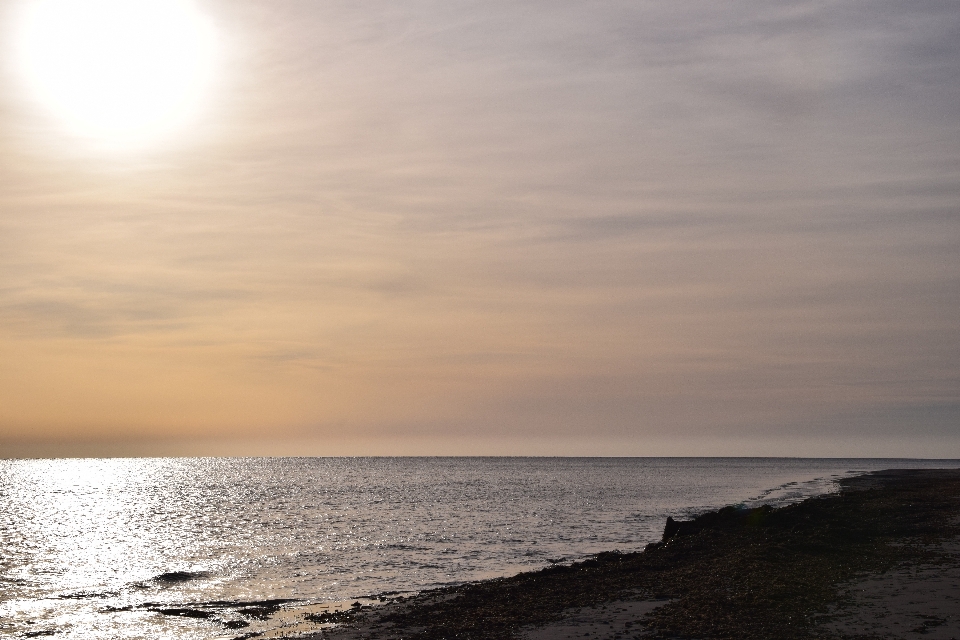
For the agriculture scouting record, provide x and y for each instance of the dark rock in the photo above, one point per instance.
(671, 529)
(180, 576)
(236, 624)
(259, 613)
(725, 518)
(327, 616)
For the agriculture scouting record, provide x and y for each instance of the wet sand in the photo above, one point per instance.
(881, 559)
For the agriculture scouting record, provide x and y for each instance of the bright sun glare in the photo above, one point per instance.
(122, 73)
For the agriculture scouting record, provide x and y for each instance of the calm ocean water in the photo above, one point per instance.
(95, 548)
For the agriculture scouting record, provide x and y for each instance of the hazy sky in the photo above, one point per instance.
(524, 227)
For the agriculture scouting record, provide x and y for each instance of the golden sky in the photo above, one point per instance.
(576, 228)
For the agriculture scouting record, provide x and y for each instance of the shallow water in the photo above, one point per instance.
(94, 548)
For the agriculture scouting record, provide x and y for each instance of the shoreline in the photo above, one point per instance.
(792, 572)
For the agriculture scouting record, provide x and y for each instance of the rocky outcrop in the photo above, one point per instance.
(728, 517)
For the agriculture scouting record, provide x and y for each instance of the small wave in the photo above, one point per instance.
(792, 492)
(398, 546)
(88, 595)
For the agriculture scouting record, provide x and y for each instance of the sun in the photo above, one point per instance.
(121, 73)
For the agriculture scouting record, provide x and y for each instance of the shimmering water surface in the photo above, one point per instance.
(96, 548)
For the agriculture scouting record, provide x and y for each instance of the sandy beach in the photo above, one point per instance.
(880, 559)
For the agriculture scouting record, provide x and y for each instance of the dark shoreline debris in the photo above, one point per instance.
(176, 577)
(222, 611)
(184, 613)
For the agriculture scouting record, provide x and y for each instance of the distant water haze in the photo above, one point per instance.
(97, 548)
(605, 228)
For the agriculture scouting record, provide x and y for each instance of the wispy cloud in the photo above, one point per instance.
(629, 219)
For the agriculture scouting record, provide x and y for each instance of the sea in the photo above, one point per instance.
(207, 548)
